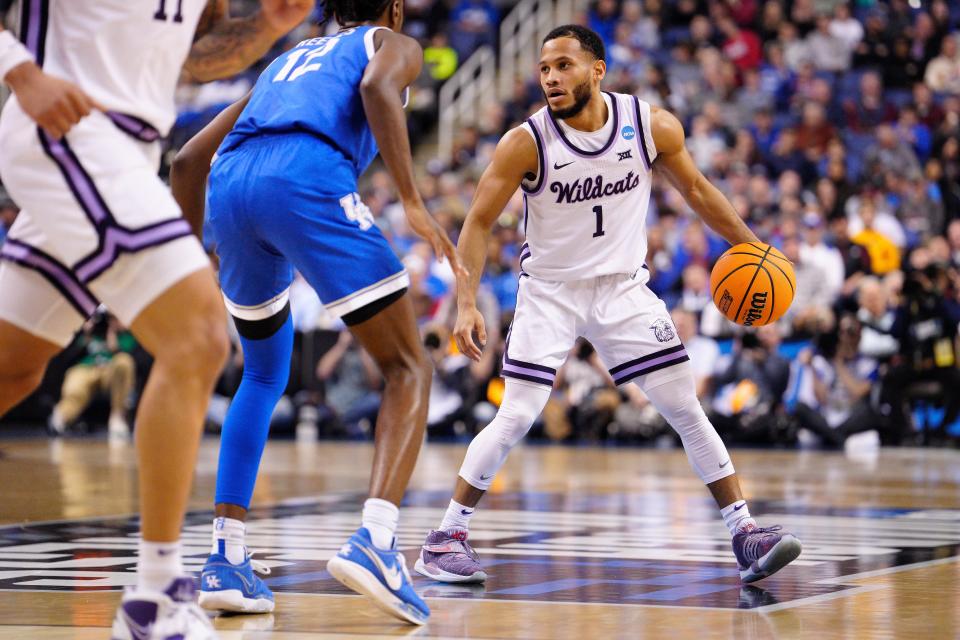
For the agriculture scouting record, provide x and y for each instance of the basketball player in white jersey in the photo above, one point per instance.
(585, 165)
(93, 86)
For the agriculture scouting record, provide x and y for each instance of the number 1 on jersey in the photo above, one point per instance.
(599, 211)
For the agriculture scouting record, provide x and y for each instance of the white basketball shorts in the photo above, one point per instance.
(627, 324)
(96, 224)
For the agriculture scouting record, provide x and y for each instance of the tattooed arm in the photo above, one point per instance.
(224, 46)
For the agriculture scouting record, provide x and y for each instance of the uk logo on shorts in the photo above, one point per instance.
(628, 132)
(663, 330)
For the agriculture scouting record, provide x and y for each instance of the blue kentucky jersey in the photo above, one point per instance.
(314, 88)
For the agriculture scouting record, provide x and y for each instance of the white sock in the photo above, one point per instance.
(457, 515)
(380, 518)
(158, 564)
(736, 516)
(229, 539)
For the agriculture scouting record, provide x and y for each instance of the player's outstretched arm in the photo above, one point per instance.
(704, 198)
(188, 173)
(224, 46)
(53, 103)
(515, 156)
(393, 67)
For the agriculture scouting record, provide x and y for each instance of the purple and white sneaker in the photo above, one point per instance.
(762, 551)
(448, 557)
(172, 614)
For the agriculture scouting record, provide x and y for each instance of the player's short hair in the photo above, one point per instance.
(353, 10)
(589, 39)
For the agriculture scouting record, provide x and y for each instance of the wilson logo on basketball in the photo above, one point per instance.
(757, 303)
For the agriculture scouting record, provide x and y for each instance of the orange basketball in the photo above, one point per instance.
(753, 284)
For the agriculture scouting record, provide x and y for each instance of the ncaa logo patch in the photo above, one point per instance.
(628, 132)
(663, 330)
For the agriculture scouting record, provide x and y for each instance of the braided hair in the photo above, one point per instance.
(344, 11)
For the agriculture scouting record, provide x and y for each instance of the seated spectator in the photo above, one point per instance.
(741, 46)
(883, 251)
(750, 388)
(813, 298)
(943, 72)
(876, 316)
(827, 51)
(874, 48)
(814, 131)
(815, 250)
(928, 111)
(903, 69)
(891, 154)
(352, 385)
(475, 23)
(830, 390)
(845, 27)
(440, 58)
(868, 109)
(105, 366)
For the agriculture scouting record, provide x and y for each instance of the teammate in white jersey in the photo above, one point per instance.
(585, 165)
(97, 225)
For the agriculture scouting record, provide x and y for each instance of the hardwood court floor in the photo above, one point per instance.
(579, 543)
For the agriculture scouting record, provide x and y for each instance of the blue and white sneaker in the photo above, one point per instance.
(379, 575)
(234, 587)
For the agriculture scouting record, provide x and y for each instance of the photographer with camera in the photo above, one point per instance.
(830, 387)
(926, 328)
(750, 388)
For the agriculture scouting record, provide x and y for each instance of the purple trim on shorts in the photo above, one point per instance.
(507, 360)
(54, 272)
(522, 373)
(33, 27)
(582, 152)
(542, 161)
(649, 363)
(79, 181)
(133, 126)
(118, 241)
(641, 139)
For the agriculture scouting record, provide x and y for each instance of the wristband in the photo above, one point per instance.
(12, 53)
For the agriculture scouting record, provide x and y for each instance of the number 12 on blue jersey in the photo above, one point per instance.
(301, 60)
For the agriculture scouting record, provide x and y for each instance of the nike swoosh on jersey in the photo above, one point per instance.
(390, 574)
(723, 464)
(557, 167)
(483, 477)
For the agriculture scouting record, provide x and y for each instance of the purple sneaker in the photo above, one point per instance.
(169, 615)
(761, 552)
(447, 556)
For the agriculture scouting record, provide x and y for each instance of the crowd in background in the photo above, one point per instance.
(832, 127)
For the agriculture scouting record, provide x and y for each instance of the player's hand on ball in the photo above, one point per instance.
(285, 15)
(53, 103)
(424, 225)
(470, 323)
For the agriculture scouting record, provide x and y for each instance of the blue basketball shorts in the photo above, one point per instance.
(284, 202)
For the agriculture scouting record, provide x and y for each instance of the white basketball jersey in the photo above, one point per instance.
(586, 210)
(126, 54)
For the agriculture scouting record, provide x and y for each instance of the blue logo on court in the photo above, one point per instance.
(628, 132)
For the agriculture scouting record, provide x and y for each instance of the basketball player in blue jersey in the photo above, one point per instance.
(585, 164)
(283, 196)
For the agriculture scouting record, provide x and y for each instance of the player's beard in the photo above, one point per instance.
(581, 96)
